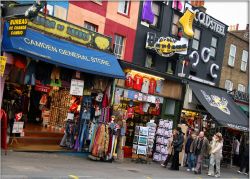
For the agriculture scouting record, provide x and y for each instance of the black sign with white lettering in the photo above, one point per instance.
(17, 27)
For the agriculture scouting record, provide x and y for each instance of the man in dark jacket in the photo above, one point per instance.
(178, 144)
(244, 163)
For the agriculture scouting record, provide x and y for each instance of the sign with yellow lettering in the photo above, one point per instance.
(3, 61)
(17, 27)
(71, 32)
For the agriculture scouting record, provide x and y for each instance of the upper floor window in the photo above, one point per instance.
(90, 26)
(229, 85)
(232, 54)
(175, 21)
(213, 46)
(196, 39)
(241, 88)
(156, 8)
(123, 7)
(244, 60)
(149, 62)
(118, 46)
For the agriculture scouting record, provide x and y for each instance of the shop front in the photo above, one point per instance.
(56, 86)
(211, 109)
(147, 105)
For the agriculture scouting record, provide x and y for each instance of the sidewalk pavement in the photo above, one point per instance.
(24, 165)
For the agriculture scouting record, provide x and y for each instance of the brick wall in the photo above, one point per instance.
(234, 73)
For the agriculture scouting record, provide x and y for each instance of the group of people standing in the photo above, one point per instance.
(197, 148)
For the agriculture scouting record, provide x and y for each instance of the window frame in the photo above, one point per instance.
(92, 25)
(128, 8)
(159, 23)
(153, 60)
(243, 61)
(120, 56)
(211, 46)
(196, 39)
(232, 65)
(175, 13)
(231, 85)
(243, 87)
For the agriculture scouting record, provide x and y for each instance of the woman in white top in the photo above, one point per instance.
(215, 154)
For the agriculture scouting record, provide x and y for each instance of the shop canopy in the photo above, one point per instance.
(62, 53)
(221, 106)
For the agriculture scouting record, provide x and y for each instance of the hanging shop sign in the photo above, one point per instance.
(205, 56)
(70, 31)
(17, 27)
(209, 22)
(3, 61)
(76, 87)
(166, 46)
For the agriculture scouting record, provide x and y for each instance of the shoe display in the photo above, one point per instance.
(186, 22)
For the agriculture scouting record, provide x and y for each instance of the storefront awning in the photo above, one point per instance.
(62, 53)
(244, 108)
(221, 106)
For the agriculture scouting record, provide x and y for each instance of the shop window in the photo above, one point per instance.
(213, 46)
(119, 46)
(196, 39)
(123, 7)
(149, 62)
(241, 88)
(175, 24)
(90, 26)
(232, 54)
(229, 85)
(244, 60)
(170, 107)
(156, 8)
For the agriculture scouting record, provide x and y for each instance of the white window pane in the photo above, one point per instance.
(155, 22)
(241, 88)
(156, 8)
(197, 34)
(123, 7)
(212, 51)
(214, 42)
(228, 85)
(243, 66)
(231, 61)
(195, 44)
(232, 50)
(149, 61)
(244, 56)
(50, 9)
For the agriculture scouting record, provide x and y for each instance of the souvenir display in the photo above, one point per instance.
(163, 133)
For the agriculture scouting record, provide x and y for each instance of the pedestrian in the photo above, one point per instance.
(178, 145)
(215, 155)
(201, 150)
(170, 148)
(187, 146)
(191, 156)
(236, 151)
(245, 157)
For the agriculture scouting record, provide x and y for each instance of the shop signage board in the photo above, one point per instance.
(166, 46)
(17, 27)
(70, 31)
(76, 87)
(17, 127)
(3, 61)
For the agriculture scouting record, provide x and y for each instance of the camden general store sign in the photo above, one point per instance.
(71, 32)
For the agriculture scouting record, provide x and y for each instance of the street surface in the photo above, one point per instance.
(77, 166)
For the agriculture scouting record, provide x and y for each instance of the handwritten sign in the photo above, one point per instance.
(3, 61)
(76, 87)
(17, 127)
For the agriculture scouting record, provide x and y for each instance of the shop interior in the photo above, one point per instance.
(39, 95)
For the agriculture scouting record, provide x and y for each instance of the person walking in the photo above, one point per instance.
(177, 144)
(215, 155)
(191, 160)
(170, 149)
(201, 149)
(245, 158)
(236, 151)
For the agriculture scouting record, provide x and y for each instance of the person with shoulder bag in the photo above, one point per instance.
(215, 155)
